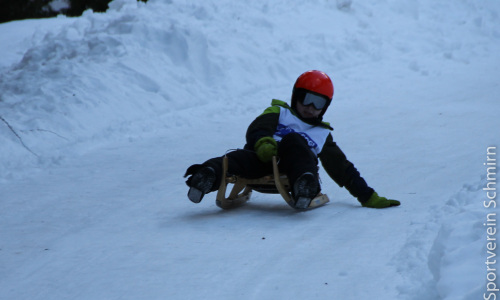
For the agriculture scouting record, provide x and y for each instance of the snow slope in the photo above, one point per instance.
(100, 116)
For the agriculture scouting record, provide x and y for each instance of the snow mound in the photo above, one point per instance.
(458, 254)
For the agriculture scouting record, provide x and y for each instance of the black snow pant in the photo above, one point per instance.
(295, 158)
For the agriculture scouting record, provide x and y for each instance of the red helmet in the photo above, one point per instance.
(315, 82)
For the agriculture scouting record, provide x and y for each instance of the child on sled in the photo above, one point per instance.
(299, 137)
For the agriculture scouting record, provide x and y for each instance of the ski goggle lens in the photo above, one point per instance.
(319, 102)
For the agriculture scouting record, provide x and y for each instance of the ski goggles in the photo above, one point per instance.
(319, 102)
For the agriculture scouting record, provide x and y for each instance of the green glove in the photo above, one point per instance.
(376, 201)
(266, 148)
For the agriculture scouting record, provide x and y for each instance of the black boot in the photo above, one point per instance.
(201, 183)
(305, 188)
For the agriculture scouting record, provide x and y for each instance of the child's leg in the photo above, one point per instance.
(296, 158)
(244, 163)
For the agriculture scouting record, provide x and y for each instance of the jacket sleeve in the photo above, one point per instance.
(343, 172)
(263, 125)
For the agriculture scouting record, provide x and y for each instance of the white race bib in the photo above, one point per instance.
(314, 135)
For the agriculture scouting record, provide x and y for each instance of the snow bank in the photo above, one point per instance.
(458, 254)
(455, 256)
(94, 78)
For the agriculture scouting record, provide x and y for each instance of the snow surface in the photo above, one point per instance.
(100, 116)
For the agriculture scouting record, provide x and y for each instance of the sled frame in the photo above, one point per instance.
(241, 192)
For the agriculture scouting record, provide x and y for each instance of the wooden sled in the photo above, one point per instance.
(267, 184)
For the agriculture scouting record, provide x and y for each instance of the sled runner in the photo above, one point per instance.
(275, 183)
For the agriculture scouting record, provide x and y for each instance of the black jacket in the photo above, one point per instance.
(334, 161)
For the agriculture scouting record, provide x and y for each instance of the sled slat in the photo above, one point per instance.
(279, 185)
(242, 188)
